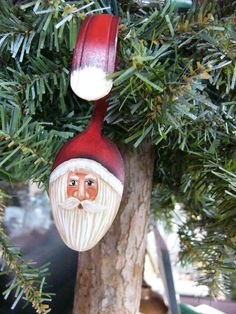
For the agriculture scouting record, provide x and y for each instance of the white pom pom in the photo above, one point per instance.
(90, 83)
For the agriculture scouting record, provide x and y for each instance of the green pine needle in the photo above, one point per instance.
(174, 87)
(28, 281)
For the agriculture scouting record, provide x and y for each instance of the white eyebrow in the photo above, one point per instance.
(90, 176)
(74, 178)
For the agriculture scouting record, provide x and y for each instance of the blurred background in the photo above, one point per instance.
(28, 222)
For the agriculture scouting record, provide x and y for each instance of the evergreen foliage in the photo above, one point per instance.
(174, 87)
(27, 282)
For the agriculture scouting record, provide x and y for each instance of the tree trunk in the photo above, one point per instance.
(109, 276)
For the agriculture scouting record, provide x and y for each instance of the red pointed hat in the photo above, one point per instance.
(91, 151)
(94, 56)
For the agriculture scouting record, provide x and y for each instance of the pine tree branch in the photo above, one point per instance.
(205, 185)
(174, 87)
(41, 23)
(28, 282)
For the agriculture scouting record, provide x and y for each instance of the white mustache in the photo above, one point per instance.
(73, 203)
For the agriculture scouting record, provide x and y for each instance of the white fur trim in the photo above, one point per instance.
(90, 83)
(84, 164)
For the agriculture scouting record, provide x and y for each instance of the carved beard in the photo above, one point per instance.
(82, 229)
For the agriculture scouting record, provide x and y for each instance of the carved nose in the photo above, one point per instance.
(81, 193)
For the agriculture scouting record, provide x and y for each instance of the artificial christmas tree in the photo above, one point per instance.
(171, 112)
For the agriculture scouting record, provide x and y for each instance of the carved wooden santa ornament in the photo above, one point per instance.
(86, 183)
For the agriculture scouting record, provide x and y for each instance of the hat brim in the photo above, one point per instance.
(84, 164)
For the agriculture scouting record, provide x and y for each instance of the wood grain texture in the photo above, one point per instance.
(109, 276)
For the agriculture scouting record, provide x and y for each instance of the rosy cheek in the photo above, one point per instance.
(69, 191)
(92, 193)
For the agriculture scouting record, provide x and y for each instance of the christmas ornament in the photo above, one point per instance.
(86, 183)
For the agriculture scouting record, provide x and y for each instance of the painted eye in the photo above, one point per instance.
(89, 183)
(73, 183)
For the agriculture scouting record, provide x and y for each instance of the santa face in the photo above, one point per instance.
(82, 185)
(84, 205)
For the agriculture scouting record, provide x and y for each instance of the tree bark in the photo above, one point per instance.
(109, 276)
